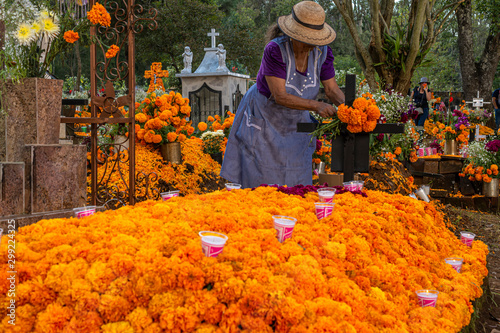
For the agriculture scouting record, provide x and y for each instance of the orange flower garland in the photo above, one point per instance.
(141, 268)
(70, 36)
(112, 51)
(99, 15)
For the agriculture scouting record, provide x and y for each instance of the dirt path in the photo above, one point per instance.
(487, 229)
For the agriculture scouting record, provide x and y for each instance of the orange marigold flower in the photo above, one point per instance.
(479, 177)
(190, 130)
(202, 126)
(360, 103)
(112, 51)
(210, 119)
(354, 128)
(70, 36)
(99, 15)
(343, 113)
(172, 136)
(182, 137)
(494, 167)
(157, 138)
(369, 126)
(398, 151)
(489, 172)
(373, 112)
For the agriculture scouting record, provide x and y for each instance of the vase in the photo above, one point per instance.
(171, 152)
(450, 147)
(217, 157)
(490, 190)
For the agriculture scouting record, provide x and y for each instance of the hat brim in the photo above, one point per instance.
(292, 29)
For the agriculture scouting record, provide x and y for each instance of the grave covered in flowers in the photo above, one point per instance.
(142, 268)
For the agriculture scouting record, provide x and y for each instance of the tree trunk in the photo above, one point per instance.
(476, 76)
(2, 40)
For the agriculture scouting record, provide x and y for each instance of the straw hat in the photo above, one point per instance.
(307, 24)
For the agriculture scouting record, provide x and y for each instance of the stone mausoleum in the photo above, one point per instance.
(212, 89)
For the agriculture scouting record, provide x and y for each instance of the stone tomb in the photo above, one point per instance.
(39, 178)
(212, 89)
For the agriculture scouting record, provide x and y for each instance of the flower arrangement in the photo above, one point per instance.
(141, 268)
(33, 42)
(215, 123)
(401, 146)
(322, 153)
(162, 119)
(457, 129)
(213, 142)
(483, 159)
(476, 116)
(361, 117)
(394, 106)
(187, 177)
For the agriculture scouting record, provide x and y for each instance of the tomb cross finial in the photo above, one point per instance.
(212, 35)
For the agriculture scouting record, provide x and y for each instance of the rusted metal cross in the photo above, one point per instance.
(155, 74)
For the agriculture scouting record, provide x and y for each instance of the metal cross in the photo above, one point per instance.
(212, 35)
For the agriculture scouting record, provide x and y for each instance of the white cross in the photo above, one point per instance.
(212, 35)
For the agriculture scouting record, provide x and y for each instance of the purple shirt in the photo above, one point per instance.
(272, 65)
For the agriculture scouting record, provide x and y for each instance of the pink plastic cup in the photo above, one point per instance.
(326, 194)
(284, 226)
(420, 152)
(323, 209)
(232, 186)
(81, 212)
(455, 262)
(350, 186)
(168, 195)
(467, 237)
(359, 184)
(212, 243)
(434, 151)
(427, 297)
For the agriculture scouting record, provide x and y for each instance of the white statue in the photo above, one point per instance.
(188, 59)
(221, 56)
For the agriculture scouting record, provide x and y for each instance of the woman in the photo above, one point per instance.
(420, 96)
(264, 146)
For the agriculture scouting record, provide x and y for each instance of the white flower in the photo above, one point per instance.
(25, 34)
(49, 27)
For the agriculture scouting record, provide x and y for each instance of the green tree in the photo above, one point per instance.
(478, 61)
(397, 45)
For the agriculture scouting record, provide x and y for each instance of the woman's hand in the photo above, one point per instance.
(326, 110)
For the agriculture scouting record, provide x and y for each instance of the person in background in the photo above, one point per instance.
(264, 146)
(420, 96)
(496, 105)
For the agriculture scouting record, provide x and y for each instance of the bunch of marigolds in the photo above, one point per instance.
(479, 173)
(162, 119)
(141, 268)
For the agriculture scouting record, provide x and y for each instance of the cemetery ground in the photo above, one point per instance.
(487, 226)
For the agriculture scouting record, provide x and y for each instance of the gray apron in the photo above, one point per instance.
(264, 146)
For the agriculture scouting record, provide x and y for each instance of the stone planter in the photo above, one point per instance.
(490, 190)
(450, 147)
(171, 152)
(33, 111)
(217, 157)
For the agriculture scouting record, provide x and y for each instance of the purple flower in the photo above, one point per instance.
(457, 113)
(380, 137)
(319, 144)
(493, 146)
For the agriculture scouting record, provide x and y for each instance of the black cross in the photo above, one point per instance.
(351, 151)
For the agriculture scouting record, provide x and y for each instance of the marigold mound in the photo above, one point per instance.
(142, 269)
